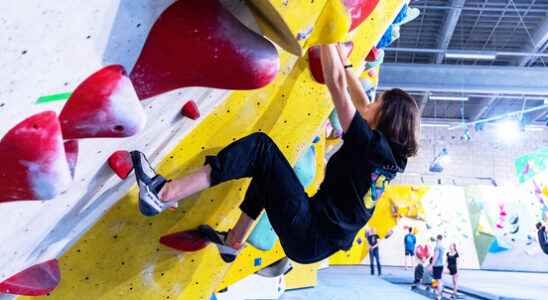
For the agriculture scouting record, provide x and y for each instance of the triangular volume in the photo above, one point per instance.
(102, 106)
(199, 43)
(187, 241)
(34, 165)
(37, 280)
(315, 63)
(71, 149)
(359, 10)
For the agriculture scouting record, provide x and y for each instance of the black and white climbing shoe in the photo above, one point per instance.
(149, 184)
(228, 254)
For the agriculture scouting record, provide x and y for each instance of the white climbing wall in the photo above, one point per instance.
(49, 47)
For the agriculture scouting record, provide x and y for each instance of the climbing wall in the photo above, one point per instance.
(91, 222)
(493, 227)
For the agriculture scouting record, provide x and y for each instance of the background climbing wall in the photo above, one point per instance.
(493, 227)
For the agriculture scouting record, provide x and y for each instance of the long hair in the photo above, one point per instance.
(399, 120)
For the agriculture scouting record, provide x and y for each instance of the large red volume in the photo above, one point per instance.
(359, 10)
(71, 149)
(199, 43)
(37, 280)
(187, 241)
(103, 105)
(33, 161)
(315, 63)
(120, 163)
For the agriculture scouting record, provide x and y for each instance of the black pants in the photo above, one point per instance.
(275, 188)
(374, 254)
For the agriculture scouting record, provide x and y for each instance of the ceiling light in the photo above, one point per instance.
(508, 130)
(471, 55)
(449, 98)
(434, 125)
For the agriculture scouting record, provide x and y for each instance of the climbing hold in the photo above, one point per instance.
(257, 262)
(71, 150)
(103, 105)
(34, 165)
(37, 280)
(187, 241)
(373, 54)
(390, 36)
(316, 139)
(120, 163)
(315, 63)
(359, 10)
(335, 123)
(422, 251)
(280, 267)
(190, 110)
(263, 236)
(199, 43)
(305, 168)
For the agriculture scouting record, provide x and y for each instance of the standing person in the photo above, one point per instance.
(542, 237)
(409, 242)
(452, 258)
(377, 142)
(437, 269)
(373, 240)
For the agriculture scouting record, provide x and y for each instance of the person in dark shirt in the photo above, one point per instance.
(378, 138)
(373, 240)
(542, 237)
(409, 242)
(452, 257)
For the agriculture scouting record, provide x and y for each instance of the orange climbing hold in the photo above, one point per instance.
(37, 280)
(190, 110)
(120, 163)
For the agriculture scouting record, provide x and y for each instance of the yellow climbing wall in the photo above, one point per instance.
(397, 201)
(302, 276)
(120, 257)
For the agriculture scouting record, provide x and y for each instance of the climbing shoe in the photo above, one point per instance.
(149, 184)
(228, 254)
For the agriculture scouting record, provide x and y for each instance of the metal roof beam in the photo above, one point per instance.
(449, 28)
(540, 38)
(460, 79)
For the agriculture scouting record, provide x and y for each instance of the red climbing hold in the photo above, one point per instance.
(71, 149)
(120, 163)
(199, 43)
(103, 105)
(34, 165)
(315, 63)
(187, 241)
(190, 110)
(359, 10)
(373, 54)
(37, 280)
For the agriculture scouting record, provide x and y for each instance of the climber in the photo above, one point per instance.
(378, 139)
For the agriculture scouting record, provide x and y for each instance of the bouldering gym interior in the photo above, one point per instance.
(273, 149)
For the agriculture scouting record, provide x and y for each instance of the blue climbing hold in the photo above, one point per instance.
(263, 236)
(258, 261)
(496, 247)
(306, 167)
